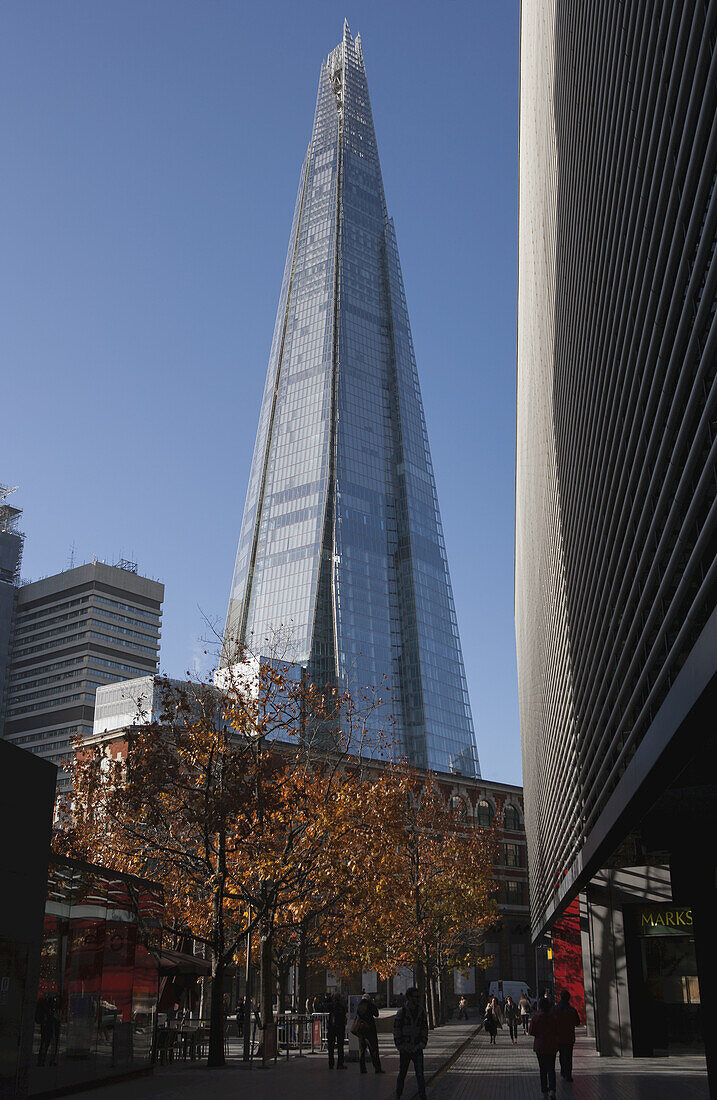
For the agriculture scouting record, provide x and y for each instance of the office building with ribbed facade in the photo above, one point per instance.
(616, 507)
(341, 546)
(72, 633)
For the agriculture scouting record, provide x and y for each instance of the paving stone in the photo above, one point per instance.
(481, 1072)
(506, 1072)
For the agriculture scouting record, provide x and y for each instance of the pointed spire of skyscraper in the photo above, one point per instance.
(341, 543)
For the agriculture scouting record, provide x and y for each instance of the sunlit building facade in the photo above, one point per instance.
(341, 551)
(616, 504)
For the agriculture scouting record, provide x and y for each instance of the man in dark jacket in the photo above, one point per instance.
(410, 1035)
(366, 1015)
(336, 1030)
(568, 1019)
(544, 1029)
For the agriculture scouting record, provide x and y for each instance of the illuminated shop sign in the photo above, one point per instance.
(659, 921)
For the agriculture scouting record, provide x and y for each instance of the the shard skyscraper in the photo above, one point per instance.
(341, 542)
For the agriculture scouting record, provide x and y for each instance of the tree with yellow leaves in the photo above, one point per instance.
(423, 897)
(237, 800)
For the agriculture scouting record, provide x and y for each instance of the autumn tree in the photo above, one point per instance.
(237, 799)
(423, 897)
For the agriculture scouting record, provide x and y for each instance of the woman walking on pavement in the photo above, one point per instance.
(544, 1029)
(493, 1019)
(511, 1018)
(524, 1005)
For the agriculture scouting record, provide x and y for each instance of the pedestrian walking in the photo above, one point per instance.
(567, 1019)
(463, 1009)
(410, 1035)
(493, 1019)
(511, 1014)
(240, 1017)
(336, 1031)
(47, 1015)
(525, 1007)
(544, 1029)
(365, 1030)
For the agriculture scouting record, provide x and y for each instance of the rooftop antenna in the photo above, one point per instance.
(72, 555)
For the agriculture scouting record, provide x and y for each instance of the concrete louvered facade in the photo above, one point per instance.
(616, 499)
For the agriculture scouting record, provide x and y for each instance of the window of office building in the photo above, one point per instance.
(484, 813)
(514, 893)
(513, 855)
(518, 962)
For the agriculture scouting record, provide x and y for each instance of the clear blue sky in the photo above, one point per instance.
(151, 157)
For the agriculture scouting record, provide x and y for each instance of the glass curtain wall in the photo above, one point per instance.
(341, 562)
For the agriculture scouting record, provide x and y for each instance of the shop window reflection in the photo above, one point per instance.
(98, 988)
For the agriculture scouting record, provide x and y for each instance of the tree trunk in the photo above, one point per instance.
(216, 999)
(429, 993)
(216, 1017)
(433, 1001)
(429, 1004)
(441, 995)
(302, 969)
(282, 975)
(265, 982)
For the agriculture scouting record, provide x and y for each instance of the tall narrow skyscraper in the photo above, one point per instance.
(341, 543)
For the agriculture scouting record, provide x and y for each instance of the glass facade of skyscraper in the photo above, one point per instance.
(341, 548)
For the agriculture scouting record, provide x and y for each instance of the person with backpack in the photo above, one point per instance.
(410, 1035)
(544, 1029)
(567, 1019)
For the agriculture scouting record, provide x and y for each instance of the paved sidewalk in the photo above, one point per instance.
(505, 1072)
(480, 1072)
(307, 1078)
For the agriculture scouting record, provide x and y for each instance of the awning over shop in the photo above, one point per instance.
(173, 963)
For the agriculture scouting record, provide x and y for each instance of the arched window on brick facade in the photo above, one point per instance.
(484, 813)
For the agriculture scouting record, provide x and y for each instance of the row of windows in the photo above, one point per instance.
(40, 633)
(485, 814)
(26, 616)
(57, 702)
(128, 607)
(81, 676)
(73, 664)
(66, 732)
(68, 639)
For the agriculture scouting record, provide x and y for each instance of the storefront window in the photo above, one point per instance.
(98, 985)
(662, 974)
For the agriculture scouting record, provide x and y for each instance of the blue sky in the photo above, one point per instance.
(152, 152)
